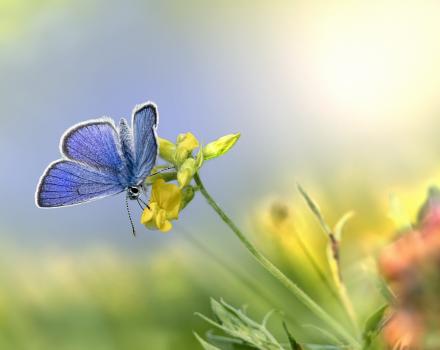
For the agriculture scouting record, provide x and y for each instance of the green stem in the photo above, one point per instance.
(315, 265)
(341, 295)
(292, 287)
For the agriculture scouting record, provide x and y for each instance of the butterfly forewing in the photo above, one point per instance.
(95, 143)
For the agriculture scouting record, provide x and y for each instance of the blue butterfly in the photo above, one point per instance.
(100, 159)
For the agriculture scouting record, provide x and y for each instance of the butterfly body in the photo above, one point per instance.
(100, 159)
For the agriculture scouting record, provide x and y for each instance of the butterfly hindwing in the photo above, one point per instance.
(144, 124)
(126, 139)
(68, 182)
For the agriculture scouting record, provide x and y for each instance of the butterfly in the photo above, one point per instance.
(100, 159)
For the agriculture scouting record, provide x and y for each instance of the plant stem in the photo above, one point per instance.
(315, 265)
(267, 264)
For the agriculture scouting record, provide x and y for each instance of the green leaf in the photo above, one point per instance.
(341, 224)
(266, 317)
(325, 347)
(373, 325)
(205, 344)
(315, 210)
(294, 345)
(228, 343)
(334, 266)
(333, 252)
(330, 337)
(233, 322)
(385, 291)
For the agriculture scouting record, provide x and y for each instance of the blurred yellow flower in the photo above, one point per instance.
(164, 206)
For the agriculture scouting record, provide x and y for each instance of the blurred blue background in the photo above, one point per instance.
(314, 88)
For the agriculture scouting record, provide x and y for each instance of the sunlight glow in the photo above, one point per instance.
(372, 63)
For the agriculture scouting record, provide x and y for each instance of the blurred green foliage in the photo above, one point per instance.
(97, 300)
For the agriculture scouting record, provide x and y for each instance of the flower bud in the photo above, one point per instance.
(220, 146)
(199, 159)
(166, 150)
(188, 193)
(166, 176)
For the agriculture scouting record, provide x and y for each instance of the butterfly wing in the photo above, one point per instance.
(67, 182)
(144, 123)
(93, 168)
(126, 139)
(95, 143)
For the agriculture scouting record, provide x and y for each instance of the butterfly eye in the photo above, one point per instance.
(133, 192)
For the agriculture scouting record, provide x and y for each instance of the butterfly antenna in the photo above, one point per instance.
(129, 216)
(139, 202)
(161, 171)
(144, 203)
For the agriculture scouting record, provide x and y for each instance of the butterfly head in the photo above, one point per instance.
(133, 192)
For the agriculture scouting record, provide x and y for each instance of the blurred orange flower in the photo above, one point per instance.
(412, 267)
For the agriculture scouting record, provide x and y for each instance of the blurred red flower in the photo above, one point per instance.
(411, 265)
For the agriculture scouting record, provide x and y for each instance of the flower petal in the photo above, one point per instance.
(162, 223)
(149, 213)
(168, 197)
(166, 150)
(186, 172)
(186, 143)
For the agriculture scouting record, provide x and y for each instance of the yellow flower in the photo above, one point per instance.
(179, 152)
(167, 149)
(186, 172)
(164, 206)
(186, 143)
(181, 155)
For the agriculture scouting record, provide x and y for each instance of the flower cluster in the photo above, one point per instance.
(184, 158)
(412, 266)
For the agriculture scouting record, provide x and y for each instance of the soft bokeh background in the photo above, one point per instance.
(341, 96)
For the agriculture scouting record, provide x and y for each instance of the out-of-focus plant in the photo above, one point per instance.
(411, 264)
(365, 334)
(239, 328)
(409, 315)
(184, 159)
